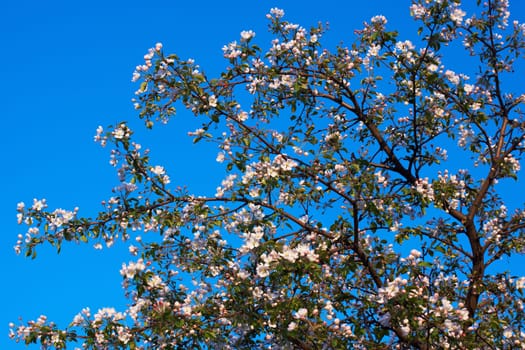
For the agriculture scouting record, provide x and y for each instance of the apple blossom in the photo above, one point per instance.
(246, 35)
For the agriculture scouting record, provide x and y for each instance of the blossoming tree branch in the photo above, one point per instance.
(362, 206)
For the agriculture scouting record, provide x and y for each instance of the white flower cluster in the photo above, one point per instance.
(160, 172)
(246, 35)
(465, 135)
(456, 15)
(418, 11)
(276, 13)
(100, 137)
(147, 62)
(226, 185)
(424, 187)
(121, 132)
(61, 217)
(512, 162)
(252, 239)
(232, 50)
(391, 290)
(131, 269)
(262, 170)
(453, 182)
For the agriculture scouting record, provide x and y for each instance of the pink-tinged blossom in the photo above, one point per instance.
(373, 50)
(252, 239)
(133, 250)
(301, 314)
(135, 77)
(121, 132)
(108, 313)
(165, 179)
(465, 134)
(158, 170)
(452, 77)
(277, 12)
(99, 137)
(226, 185)
(231, 50)
(456, 15)
(263, 270)
(220, 157)
(512, 162)
(289, 254)
(124, 335)
(246, 35)
(520, 283)
(391, 290)
(468, 88)
(379, 19)
(414, 253)
(78, 320)
(155, 282)
(432, 67)
(61, 217)
(125, 187)
(149, 55)
(242, 116)
(381, 179)
(424, 187)
(212, 101)
(418, 11)
(285, 163)
(405, 48)
(306, 251)
(38, 205)
(130, 270)
(198, 132)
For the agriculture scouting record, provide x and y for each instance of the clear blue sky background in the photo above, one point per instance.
(65, 69)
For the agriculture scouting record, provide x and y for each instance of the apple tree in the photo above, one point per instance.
(365, 204)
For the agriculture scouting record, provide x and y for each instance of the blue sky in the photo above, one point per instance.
(66, 68)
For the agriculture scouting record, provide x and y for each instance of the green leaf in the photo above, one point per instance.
(425, 264)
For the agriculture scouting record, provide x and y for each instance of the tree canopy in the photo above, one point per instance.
(363, 205)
